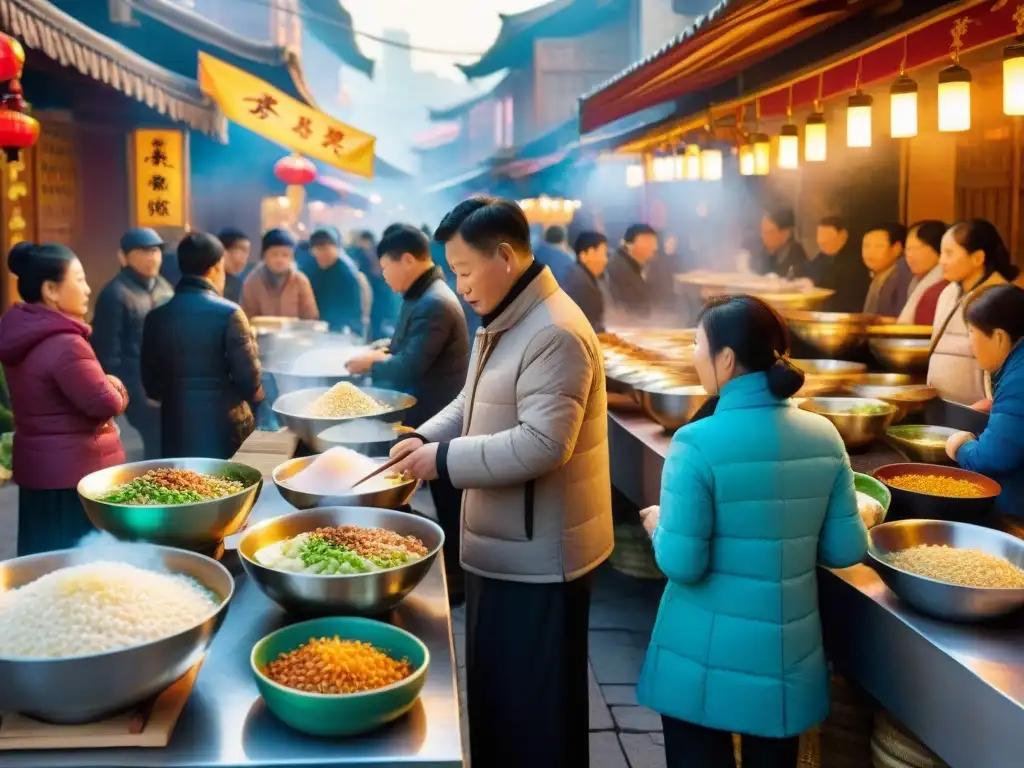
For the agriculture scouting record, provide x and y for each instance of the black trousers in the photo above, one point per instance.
(50, 520)
(694, 746)
(526, 673)
(145, 419)
(448, 503)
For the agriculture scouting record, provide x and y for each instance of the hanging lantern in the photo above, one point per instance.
(816, 138)
(295, 170)
(762, 153)
(18, 131)
(12, 58)
(858, 120)
(691, 162)
(789, 147)
(954, 99)
(1013, 78)
(903, 108)
(711, 164)
(746, 159)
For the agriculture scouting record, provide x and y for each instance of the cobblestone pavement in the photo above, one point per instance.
(622, 734)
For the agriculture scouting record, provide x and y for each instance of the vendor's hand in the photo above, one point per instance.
(381, 344)
(363, 363)
(405, 447)
(956, 440)
(650, 518)
(985, 406)
(421, 463)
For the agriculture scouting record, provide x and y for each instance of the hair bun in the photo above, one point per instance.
(20, 256)
(784, 378)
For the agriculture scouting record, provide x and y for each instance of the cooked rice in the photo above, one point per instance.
(96, 608)
(965, 567)
(344, 400)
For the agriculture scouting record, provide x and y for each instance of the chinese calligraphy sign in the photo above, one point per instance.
(160, 193)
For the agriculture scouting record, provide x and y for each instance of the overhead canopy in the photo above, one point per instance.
(557, 18)
(736, 34)
(45, 28)
(331, 24)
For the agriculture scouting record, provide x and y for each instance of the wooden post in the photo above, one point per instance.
(1015, 193)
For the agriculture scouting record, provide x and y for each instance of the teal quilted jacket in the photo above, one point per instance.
(753, 499)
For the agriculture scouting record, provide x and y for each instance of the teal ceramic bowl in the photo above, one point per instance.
(875, 489)
(320, 714)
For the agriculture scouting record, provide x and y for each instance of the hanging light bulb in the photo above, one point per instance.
(691, 165)
(746, 159)
(762, 153)
(858, 120)
(711, 164)
(816, 138)
(903, 108)
(789, 147)
(634, 175)
(954, 99)
(1013, 75)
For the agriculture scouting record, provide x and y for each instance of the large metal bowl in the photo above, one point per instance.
(363, 593)
(292, 373)
(920, 442)
(942, 600)
(671, 408)
(393, 497)
(902, 355)
(190, 526)
(886, 379)
(356, 436)
(291, 410)
(912, 505)
(797, 300)
(908, 399)
(82, 689)
(897, 331)
(823, 377)
(858, 430)
(832, 334)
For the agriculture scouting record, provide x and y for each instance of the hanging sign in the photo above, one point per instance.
(159, 161)
(57, 184)
(258, 106)
(18, 190)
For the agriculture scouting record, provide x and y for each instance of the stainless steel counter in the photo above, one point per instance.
(225, 723)
(960, 689)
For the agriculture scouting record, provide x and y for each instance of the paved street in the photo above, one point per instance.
(622, 735)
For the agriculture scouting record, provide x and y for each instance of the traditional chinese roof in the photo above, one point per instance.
(45, 28)
(331, 24)
(456, 111)
(559, 18)
(732, 36)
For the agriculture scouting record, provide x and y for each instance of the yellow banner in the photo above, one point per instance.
(254, 104)
(160, 167)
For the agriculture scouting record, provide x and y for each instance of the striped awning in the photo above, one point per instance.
(44, 28)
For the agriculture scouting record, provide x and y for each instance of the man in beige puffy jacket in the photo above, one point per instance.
(527, 441)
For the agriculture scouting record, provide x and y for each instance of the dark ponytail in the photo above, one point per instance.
(757, 335)
(37, 264)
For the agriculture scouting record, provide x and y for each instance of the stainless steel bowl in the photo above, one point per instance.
(902, 355)
(393, 497)
(291, 410)
(797, 300)
(191, 526)
(942, 600)
(926, 444)
(823, 377)
(83, 689)
(830, 333)
(329, 368)
(858, 430)
(362, 593)
(353, 436)
(886, 379)
(908, 399)
(671, 408)
(897, 331)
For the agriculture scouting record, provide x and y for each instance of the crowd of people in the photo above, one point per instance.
(510, 432)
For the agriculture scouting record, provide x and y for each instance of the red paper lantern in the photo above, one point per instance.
(12, 58)
(295, 169)
(17, 132)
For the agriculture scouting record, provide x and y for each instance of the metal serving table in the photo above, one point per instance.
(959, 689)
(226, 725)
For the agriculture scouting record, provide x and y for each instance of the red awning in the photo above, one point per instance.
(736, 35)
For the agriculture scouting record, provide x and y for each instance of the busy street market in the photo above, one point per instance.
(507, 383)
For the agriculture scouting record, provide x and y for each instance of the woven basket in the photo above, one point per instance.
(893, 747)
(633, 555)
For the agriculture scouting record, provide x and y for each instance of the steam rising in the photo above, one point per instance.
(100, 546)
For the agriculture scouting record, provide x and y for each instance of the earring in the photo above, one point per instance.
(508, 270)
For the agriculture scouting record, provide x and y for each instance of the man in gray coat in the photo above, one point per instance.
(527, 441)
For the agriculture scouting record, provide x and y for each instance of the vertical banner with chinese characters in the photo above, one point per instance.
(57, 184)
(19, 218)
(256, 105)
(160, 164)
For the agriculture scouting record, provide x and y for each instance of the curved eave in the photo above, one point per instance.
(514, 27)
(43, 27)
(332, 25)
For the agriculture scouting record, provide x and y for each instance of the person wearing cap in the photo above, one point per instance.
(275, 288)
(199, 359)
(237, 247)
(342, 292)
(121, 310)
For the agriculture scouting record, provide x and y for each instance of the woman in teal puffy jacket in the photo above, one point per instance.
(753, 499)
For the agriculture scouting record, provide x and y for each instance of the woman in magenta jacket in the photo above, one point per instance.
(63, 403)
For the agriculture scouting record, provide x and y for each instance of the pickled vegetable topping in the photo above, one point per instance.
(171, 486)
(342, 550)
